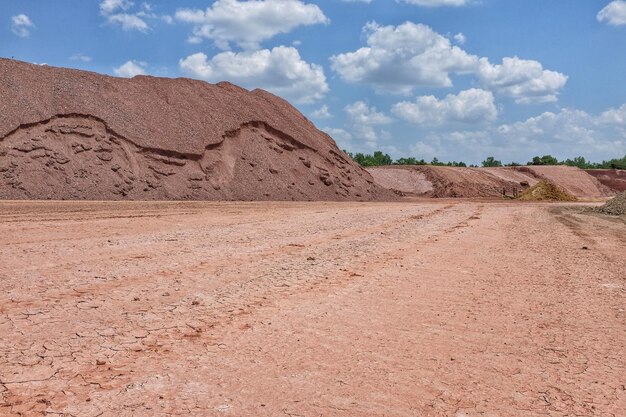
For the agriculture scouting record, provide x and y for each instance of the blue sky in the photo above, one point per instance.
(456, 79)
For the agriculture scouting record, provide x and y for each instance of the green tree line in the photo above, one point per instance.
(379, 158)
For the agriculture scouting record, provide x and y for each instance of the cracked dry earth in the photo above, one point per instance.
(424, 308)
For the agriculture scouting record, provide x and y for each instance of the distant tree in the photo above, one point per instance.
(405, 161)
(544, 160)
(436, 162)
(513, 164)
(492, 162)
(616, 163)
(360, 159)
(377, 159)
(619, 164)
(578, 161)
(409, 161)
(382, 158)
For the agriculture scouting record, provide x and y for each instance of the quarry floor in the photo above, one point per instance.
(414, 308)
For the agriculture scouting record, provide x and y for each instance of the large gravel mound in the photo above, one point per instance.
(68, 134)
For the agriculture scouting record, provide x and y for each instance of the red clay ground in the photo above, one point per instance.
(424, 308)
(612, 178)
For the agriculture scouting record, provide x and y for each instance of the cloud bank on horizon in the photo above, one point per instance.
(455, 79)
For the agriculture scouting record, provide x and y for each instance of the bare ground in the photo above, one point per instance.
(425, 308)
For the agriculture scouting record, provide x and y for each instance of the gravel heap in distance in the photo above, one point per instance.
(615, 207)
(546, 191)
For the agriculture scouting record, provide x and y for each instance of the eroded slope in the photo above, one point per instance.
(456, 182)
(67, 134)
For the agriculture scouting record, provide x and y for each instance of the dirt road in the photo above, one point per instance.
(311, 309)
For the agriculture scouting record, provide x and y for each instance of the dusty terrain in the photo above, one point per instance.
(76, 135)
(423, 308)
(613, 178)
(454, 182)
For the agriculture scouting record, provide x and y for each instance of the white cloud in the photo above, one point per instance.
(341, 136)
(21, 25)
(130, 69)
(116, 12)
(401, 58)
(615, 117)
(614, 13)
(107, 7)
(360, 113)
(361, 123)
(460, 38)
(366, 135)
(565, 134)
(322, 113)
(129, 22)
(470, 106)
(280, 70)
(248, 23)
(398, 59)
(437, 3)
(568, 125)
(81, 57)
(427, 149)
(524, 80)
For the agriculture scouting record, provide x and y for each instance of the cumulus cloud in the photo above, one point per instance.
(576, 131)
(108, 7)
(322, 113)
(280, 70)
(248, 23)
(524, 80)
(614, 13)
(359, 112)
(470, 106)
(342, 137)
(362, 120)
(21, 25)
(437, 3)
(129, 22)
(398, 59)
(401, 58)
(129, 17)
(565, 134)
(568, 125)
(130, 69)
(616, 117)
(81, 57)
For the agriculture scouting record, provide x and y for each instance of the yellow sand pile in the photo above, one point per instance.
(546, 191)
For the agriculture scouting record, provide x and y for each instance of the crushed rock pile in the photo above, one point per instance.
(546, 191)
(615, 207)
(76, 135)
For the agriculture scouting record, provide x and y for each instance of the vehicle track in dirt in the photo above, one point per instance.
(335, 309)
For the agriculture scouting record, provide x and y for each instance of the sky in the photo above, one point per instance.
(453, 79)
